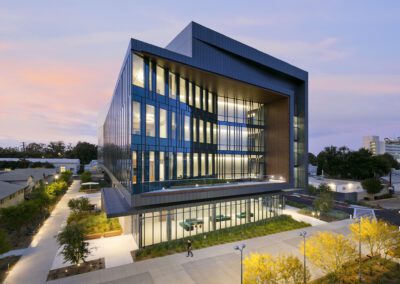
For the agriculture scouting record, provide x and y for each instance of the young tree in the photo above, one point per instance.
(378, 236)
(259, 268)
(263, 268)
(372, 185)
(329, 251)
(290, 269)
(323, 202)
(74, 247)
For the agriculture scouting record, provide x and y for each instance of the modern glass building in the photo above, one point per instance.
(202, 135)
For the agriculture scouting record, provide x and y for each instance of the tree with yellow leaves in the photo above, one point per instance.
(263, 268)
(329, 251)
(378, 236)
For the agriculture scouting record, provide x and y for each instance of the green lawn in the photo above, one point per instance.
(251, 230)
(95, 222)
(376, 270)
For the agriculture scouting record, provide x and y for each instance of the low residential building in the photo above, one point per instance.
(379, 147)
(91, 167)
(27, 178)
(60, 164)
(11, 194)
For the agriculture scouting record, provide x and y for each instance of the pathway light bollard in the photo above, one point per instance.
(304, 234)
(240, 248)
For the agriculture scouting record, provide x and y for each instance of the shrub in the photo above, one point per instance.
(86, 177)
(72, 239)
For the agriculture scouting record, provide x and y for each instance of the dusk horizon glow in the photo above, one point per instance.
(59, 61)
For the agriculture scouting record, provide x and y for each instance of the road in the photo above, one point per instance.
(391, 216)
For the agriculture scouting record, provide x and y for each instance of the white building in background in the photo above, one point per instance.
(379, 147)
(60, 164)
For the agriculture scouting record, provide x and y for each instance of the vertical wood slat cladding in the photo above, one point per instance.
(277, 138)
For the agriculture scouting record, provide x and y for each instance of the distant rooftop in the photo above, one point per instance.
(44, 160)
(6, 189)
(23, 174)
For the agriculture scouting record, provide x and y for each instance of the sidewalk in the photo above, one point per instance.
(217, 264)
(36, 261)
(292, 211)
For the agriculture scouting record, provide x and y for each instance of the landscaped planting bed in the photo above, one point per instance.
(251, 230)
(96, 224)
(373, 270)
(71, 270)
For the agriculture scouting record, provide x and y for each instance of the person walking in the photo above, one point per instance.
(189, 249)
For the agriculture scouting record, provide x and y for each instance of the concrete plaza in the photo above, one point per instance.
(217, 264)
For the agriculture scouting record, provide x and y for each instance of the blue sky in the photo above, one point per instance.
(59, 60)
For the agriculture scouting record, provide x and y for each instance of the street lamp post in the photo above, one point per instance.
(240, 248)
(304, 234)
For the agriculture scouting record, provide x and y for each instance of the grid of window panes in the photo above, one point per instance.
(116, 140)
(181, 130)
(171, 224)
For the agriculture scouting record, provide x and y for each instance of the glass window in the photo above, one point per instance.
(173, 125)
(188, 165)
(172, 85)
(163, 123)
(135, 118)
(187, 128)
(201, 131)
(182, 90)
(190, 93)
(171, 166)
(210, 165)
(204, 92)
(215, 130)
(179, 168)
(162, 166)
(194, 130)
(203, 164)
(208, 132)
(210, 102)
(151, 166)
(138, 71)
(197, 96)
(221, 108)
(134, 167)
(160, 84)
(150, 127)
(195, 164)
(151, 68)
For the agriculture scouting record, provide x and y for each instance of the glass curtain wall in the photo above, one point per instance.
(176, 223)
(219, 136)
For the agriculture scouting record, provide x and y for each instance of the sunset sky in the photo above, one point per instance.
(59, 60)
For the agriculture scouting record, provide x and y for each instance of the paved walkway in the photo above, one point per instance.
(292, 211)
(217, 264)
(115, 250)
(35, 264)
